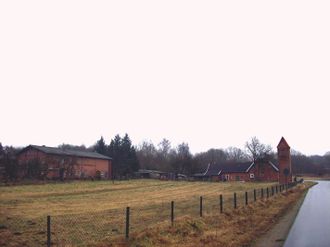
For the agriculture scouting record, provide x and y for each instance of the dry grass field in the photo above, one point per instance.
(84, 213)
(234, 228)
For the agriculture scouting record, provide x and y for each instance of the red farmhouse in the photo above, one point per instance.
(65, 163)
(260, 170)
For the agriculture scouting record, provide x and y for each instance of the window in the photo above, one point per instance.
(252, 175)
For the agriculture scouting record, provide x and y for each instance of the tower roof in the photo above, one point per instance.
(283, 143)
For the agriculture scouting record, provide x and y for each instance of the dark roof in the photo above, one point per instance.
(145, 171)
(231, 167)
(68, 152)
(228, 167)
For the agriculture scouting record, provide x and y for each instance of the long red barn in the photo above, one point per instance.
(65, 162)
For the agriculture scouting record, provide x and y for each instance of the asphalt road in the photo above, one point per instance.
(312, 225)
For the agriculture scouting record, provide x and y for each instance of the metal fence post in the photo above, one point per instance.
(127, 222)
(48, 231)
(235, 202)
(172, 212)
(254, 194)
(201, 206)
(246, 198)
(221, 204)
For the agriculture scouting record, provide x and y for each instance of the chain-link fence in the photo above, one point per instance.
(92, 228)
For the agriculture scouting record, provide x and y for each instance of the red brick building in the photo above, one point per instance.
(260, 170)
(284, 162)
(65, 163)
(243, 171)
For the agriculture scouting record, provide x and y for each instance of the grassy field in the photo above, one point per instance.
(84, 213)
(235, 228)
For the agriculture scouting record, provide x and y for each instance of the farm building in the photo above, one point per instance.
(64, 163)
(243, 171)
(259, 170)
(143, 173)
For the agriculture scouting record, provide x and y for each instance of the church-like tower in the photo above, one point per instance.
(284, 162)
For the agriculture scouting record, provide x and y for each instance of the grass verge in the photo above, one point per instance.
(238, 227)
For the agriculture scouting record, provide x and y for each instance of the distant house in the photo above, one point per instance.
(242, 171)
(143, 173)
(259, 170)
(65, 163)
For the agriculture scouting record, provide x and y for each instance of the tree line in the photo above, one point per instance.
(127, 158)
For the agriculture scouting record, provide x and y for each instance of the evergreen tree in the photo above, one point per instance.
(123, 154)
(100, 146)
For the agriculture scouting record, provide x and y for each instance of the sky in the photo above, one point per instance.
(210, 73)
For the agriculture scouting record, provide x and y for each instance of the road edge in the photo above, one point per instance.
(276, 236)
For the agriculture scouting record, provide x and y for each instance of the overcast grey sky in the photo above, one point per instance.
(210, 73)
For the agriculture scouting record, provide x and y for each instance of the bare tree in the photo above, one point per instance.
(164, 147)
(164, 155)
(147, 155)
(236, 154)
(256, 149)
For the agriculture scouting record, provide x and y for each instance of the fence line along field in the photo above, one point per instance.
(85, 212)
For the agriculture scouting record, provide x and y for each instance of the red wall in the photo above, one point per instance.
(235, 176)
(265, 172)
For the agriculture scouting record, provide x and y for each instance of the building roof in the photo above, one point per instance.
(231, 167)
(227, 167)
(146, 171)
(68, 152)
(283, 143)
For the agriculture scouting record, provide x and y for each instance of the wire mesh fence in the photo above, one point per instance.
(92, 228)
(27, 231)
(86, 229)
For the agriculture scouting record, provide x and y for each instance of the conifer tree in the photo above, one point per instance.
(100, 146)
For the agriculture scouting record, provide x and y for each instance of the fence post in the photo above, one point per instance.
(221, 204)
(127, 222)
(235, 202)
(246, 198)
(272, 190)
(255, 194)
(201, 206)
(267, 192)
(48, 231)
(172, 212)
(262, 192)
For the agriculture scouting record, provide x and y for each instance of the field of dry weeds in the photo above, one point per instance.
(84, 213)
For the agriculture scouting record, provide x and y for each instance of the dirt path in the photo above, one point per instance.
(276, 236)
